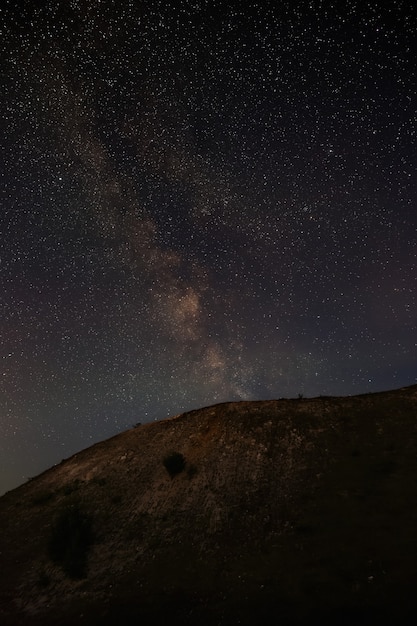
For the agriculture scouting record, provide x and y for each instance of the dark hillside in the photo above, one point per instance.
(288, 512)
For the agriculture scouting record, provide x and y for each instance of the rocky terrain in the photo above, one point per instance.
(296, 511)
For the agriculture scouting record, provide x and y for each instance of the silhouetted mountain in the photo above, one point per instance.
(278, 512)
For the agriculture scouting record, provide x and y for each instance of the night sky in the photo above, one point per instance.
(202, 202)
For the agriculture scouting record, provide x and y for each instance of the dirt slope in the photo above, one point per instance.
(292, 511)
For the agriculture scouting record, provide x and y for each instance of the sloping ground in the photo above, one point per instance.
(289, 511)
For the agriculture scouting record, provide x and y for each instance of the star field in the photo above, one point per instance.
(202, 202)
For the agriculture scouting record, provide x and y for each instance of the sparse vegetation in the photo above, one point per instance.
(70, 541)
(301, 512)
(174, 463)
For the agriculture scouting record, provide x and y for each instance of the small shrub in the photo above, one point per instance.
(70, 488)
(43, 498)
(191, 471)
(385, 466)
(101, 481)
(305, 529)
(174, 463)
(44, 579)
(70, 541)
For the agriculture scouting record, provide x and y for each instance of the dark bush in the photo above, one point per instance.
(70, 488)
(174, 463)
(191, 471)
(70, 541)
(43, 579)
(43, 498)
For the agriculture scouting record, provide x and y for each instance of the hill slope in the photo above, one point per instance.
(295, 511)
